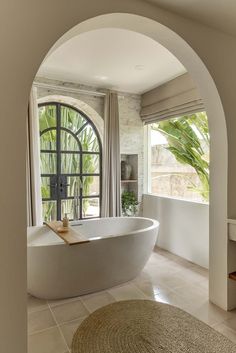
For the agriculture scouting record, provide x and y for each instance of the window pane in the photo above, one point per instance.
(70, 163)
(45, 188)
(179, 151)
(71, 119)
(49, 211)
(91, 207)
(73, 187)
(91, 185)
(48, 140)
(89, 139)
(47, 117)
(48, 163)
(90, 163)
(68, 142)
(67, 207)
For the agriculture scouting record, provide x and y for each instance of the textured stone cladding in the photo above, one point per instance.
(131, 133)
(131, 126)
(94, 102)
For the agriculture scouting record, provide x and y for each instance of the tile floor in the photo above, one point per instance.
(166, 278)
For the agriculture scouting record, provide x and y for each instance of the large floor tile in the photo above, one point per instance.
(40, 320)
(126, 292)
(171, 282)
(55, 302)
(231, 321)
(69, 311)
(94, 301)
(191, 292)
(147, 287)
(210, 313)
(172, 298)
(166, 278)
(48, 341)
(192, 276)
(68, 329)
(226, 331)
(35, 304)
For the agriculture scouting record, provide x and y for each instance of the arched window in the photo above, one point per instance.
(70, 151)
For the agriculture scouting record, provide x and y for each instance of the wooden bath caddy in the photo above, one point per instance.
(69, 236)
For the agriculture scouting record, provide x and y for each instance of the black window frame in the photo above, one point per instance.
(61, 176)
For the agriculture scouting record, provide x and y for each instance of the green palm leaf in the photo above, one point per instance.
(188, 140)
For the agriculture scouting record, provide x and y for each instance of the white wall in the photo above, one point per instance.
(184, 226)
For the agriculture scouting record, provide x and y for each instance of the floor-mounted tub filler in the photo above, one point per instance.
(118, 250)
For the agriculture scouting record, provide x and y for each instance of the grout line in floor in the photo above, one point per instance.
(42, 330)
(54, 317)
(29, 311)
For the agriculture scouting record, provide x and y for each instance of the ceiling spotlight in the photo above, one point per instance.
(139, 67)
(101, 77)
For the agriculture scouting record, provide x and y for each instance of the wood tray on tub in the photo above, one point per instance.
(69, 236)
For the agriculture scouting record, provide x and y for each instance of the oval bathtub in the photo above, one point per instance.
(118, 250)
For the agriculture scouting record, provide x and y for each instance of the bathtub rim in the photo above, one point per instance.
(155, 224)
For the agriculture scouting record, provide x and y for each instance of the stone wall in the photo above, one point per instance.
(172, 178)
(131, 133)
(131, 126)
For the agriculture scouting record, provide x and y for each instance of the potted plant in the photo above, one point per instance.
(129, 203)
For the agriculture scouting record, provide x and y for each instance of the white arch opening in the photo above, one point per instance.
(217, 124)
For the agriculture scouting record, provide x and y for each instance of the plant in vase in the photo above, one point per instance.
(129, 203)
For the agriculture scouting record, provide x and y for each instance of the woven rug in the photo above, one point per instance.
(144, 326)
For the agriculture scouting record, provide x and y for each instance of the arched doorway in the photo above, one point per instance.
(218, 168)
(71, 163)
(19, 83)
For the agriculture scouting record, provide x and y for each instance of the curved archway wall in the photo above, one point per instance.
(24, 44)
(188, 57)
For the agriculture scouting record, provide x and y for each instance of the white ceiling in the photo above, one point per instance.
(112, 58)
(219, 14)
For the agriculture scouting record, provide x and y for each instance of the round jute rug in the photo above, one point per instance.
(145, 326)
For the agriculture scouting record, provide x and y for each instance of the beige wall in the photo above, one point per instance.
(28, 29)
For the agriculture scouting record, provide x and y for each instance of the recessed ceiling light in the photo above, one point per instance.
(139, 67)
(101, 77)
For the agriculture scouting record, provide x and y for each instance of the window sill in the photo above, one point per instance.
(177, 199)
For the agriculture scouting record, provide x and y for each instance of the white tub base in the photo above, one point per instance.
(118, 251)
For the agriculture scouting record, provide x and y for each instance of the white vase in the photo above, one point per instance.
(126, 170)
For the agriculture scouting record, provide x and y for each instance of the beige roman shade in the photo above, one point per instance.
(177, 97)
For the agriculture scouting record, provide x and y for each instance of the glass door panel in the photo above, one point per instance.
(69, 142)
(70, 163)
(68, 207)
(91, 185)
(48, 163)
(91, 207)
(90, 163)
(49, 210)
(48, 140)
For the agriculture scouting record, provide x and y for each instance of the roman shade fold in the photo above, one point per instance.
(175, 98)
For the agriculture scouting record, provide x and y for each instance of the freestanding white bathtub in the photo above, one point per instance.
(118, 250)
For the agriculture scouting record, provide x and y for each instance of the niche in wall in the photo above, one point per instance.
(130, 184)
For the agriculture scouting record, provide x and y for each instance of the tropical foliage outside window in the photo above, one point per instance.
(70, 163)
(180, 157)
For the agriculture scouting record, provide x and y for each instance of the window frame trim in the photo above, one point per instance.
(58, 151)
